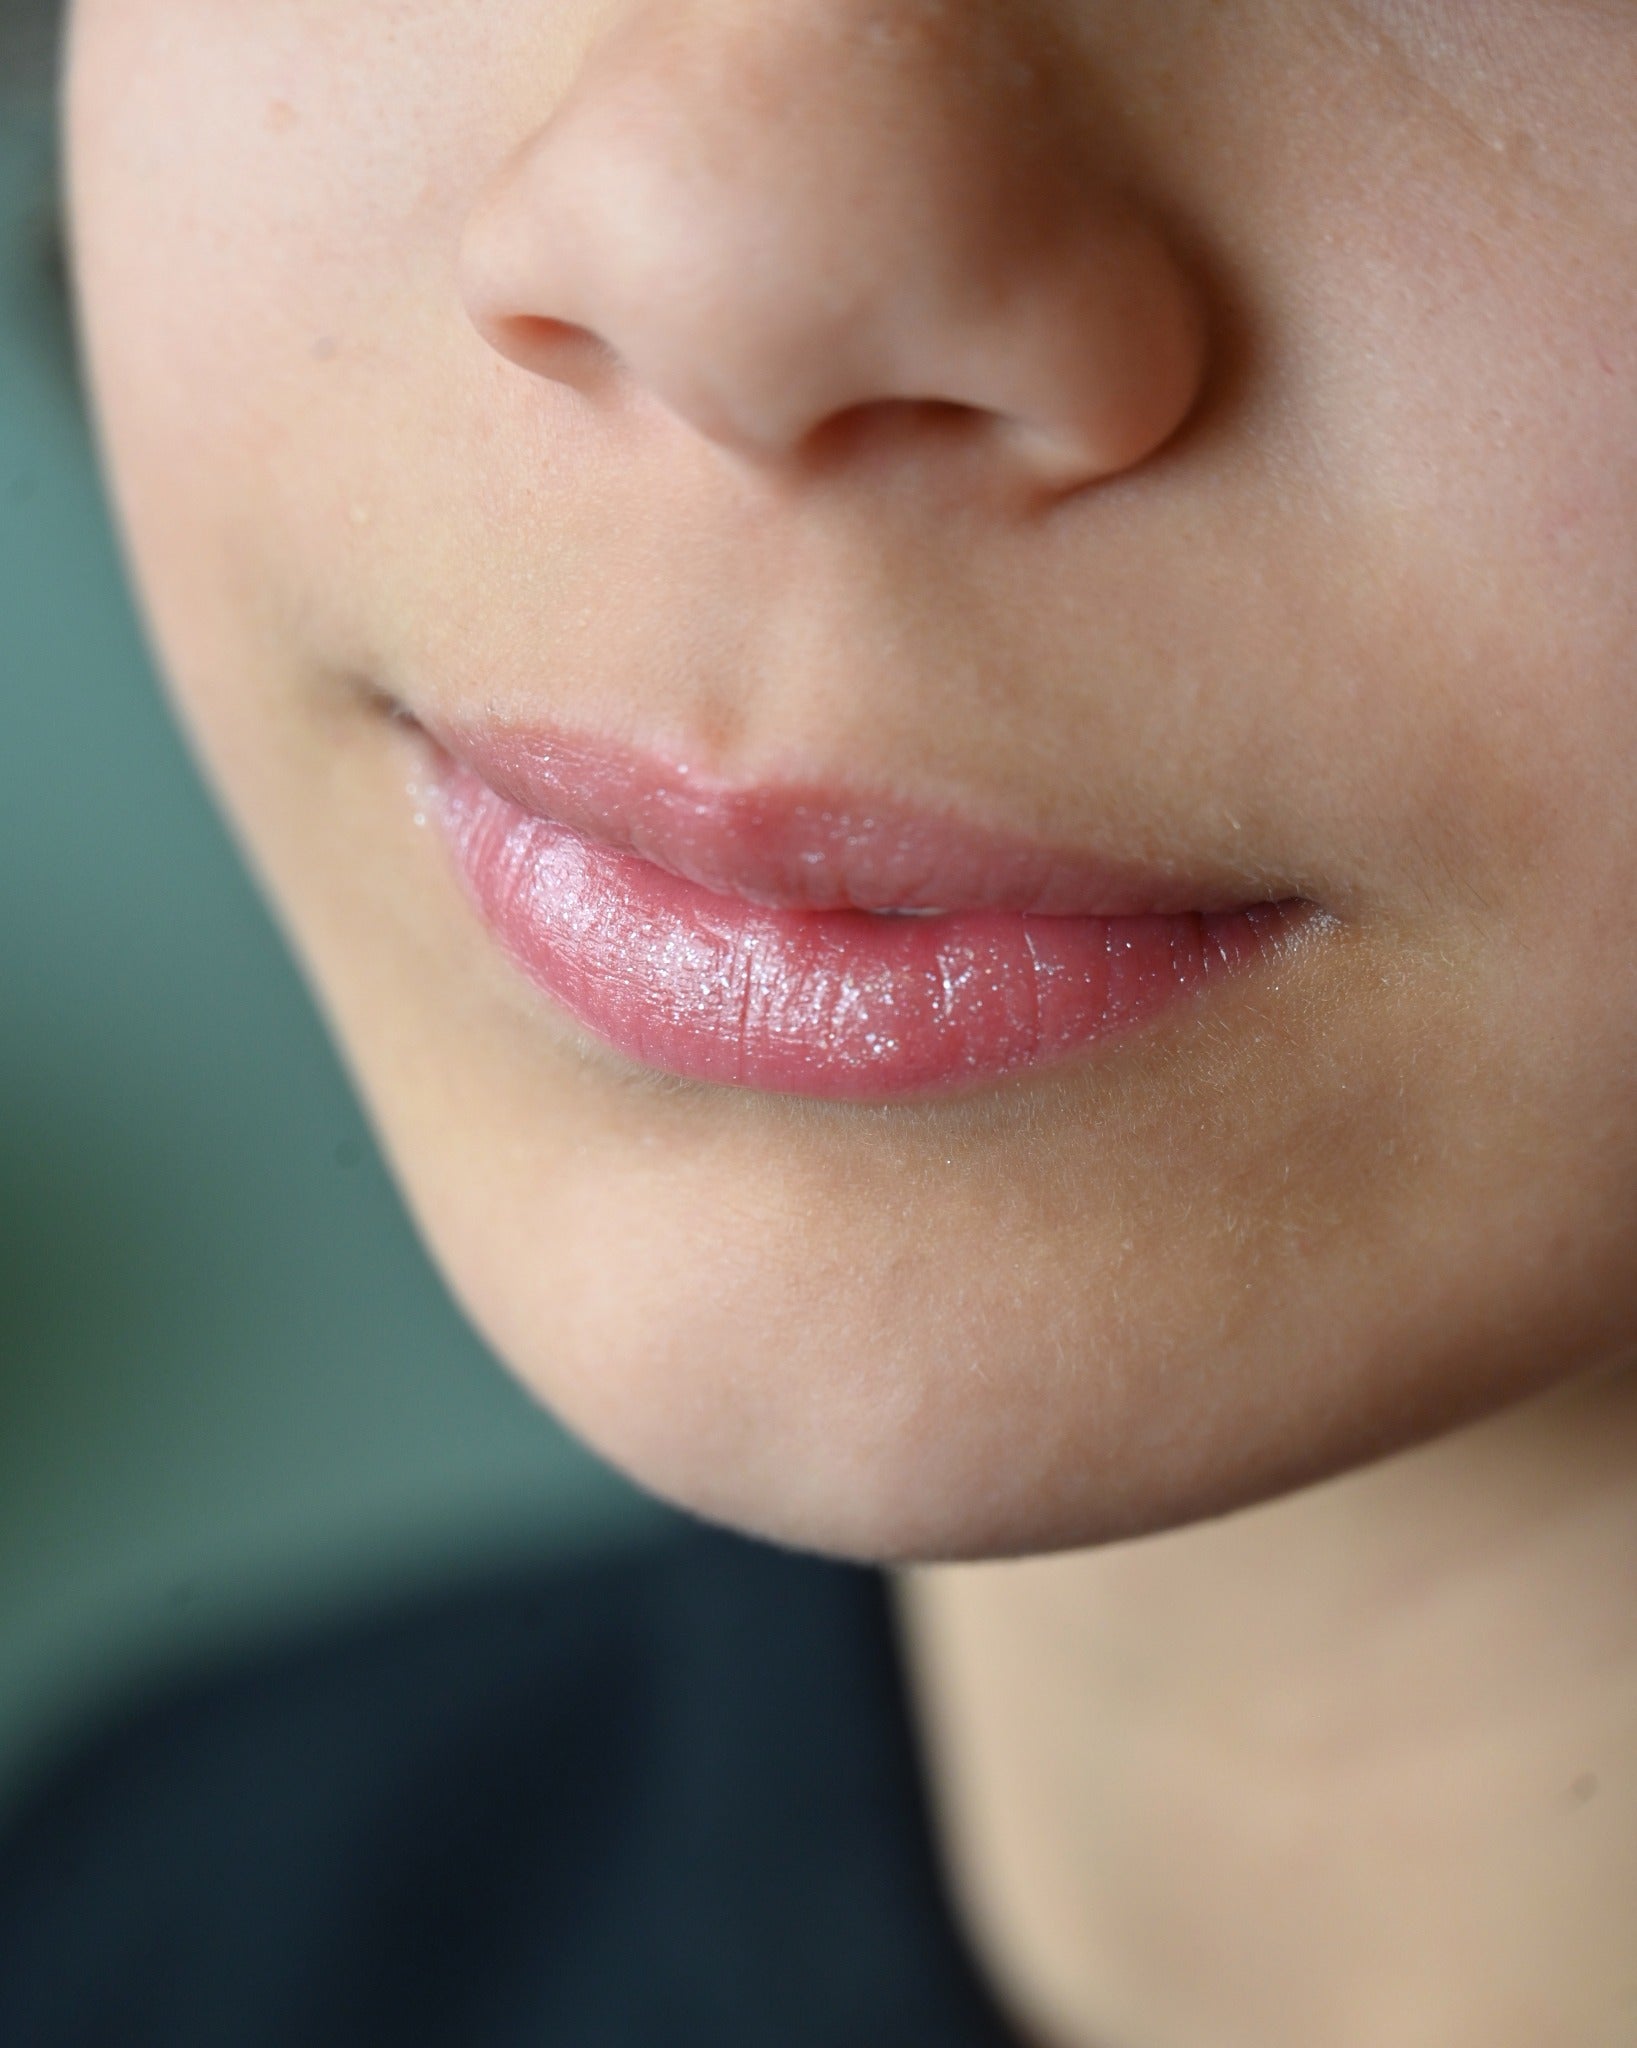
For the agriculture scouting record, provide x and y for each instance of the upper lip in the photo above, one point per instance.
(810, 846)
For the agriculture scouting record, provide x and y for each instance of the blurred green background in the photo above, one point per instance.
(232, 1393)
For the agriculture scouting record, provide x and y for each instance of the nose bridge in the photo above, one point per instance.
(777, 212)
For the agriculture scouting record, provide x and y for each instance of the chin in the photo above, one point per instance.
(928, 1402)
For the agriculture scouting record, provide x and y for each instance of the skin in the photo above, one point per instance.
(1357, 1767)
(1361, 626)
(1309, 563)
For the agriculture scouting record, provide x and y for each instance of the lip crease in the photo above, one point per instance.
(762, 936)
(797, 846)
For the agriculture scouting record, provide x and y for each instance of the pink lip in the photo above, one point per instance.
(734, 935)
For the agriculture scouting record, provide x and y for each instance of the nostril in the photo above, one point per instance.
(559, 349)
(884, 423)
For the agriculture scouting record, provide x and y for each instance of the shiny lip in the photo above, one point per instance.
(801, 846)
(767, 938)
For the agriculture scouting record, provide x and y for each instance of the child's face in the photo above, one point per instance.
(1315, 576)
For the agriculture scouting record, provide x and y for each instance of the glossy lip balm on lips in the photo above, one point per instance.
(803, 941)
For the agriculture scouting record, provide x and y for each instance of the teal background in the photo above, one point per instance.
(232, 1392)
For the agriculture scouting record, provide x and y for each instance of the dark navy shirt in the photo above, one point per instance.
(666, 1799)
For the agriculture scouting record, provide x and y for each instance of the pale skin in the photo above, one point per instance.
(1274, 514)
(1356, 1768)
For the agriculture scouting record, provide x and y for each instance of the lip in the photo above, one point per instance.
(746, 935)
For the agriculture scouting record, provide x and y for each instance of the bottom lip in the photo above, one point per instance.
(845, 1004)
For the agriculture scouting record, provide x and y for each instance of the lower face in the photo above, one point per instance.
(1362, 640)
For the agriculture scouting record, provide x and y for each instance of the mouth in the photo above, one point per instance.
(807, 941)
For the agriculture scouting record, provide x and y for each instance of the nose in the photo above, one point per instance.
(776, 215)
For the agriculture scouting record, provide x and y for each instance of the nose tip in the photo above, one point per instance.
(777, 216)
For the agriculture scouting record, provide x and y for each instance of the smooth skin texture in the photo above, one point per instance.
(1312, 562)
(1202, 434)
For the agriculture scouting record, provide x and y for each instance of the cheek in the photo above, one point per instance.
(1490, 380)
(297, 414)
(1474, 360)
(265, 212)
(1531, 517)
